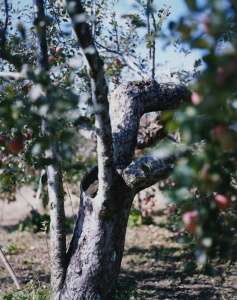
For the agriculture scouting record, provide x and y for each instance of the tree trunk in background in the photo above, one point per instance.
(96, 249)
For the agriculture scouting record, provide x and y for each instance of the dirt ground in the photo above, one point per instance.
(152, 266)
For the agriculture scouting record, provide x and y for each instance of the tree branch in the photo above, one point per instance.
(54, 172)
(10, 270)
(12, 59)
(128, 61)
(152, 132)
(5, 23)
(129, 102)
(100, 99)
(155, 166)
(12, 75)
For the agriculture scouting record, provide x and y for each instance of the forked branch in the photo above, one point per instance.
(129, 102)
(100, 98)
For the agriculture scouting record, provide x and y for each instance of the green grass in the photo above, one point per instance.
(30, 292)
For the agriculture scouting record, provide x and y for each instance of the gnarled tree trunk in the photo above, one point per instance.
(96, 249)
(95, 252)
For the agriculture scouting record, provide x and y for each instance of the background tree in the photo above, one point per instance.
(205, 184)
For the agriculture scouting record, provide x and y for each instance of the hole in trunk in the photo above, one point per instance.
(89, 183)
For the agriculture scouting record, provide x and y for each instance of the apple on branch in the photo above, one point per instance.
(16, 145)
(190, 219)
(225, 136)
(222, 201)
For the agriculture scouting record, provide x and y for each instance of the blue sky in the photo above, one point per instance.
(170, 59)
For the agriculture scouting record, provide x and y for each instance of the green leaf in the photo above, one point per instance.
(200, 43)
(190, 267)
(78, 166)
(210, 270)
(191, 4)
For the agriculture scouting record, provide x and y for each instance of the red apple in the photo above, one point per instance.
(146, 200)
(27, 136)
(220, 76)
(219, 131)
(222, 202)
(3, 139)
(59, 50)
(116, 79)
(224, 136)
(190, 219)
(195, 98)
(16, 145)
(50, 59)
(118, 63)
(169, 182)
(106, 67)
(172, 209)
(150, 211)
(52, 50)
(152, 203)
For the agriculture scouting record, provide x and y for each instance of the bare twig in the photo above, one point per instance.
(93, 19)
(12, 75)
(128, 61)
(24, 198)
(106, 168)
(6, 18)
(44, 229)
(39, 190)
(153, 46)
(148, 4)
(69, 195)
(9, 268)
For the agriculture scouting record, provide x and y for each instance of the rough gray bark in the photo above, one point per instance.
(129, 102)
(96, 249)
(100, 99)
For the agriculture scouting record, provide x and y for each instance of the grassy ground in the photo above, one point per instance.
(152, 266)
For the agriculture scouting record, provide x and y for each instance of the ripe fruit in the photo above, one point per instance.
(219, 131)
(52, 50)
(146, 200)
(3, 139)
(27, 136)
(116, 79)
(118, 63)
(195, 98)
(224, 136)
(172, 209)
(106, 67)
(50, 59)
(190, 219)
(150, 211)
(222, 202)
(16, 145)
(169, 182)
(152, 203)
(59, 50)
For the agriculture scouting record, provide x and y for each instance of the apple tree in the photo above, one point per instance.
(47, 73)
(205, 184)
